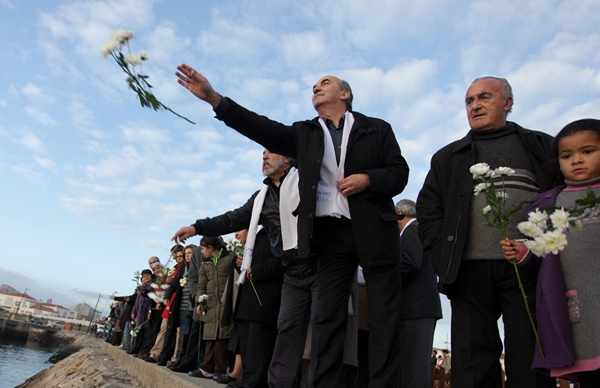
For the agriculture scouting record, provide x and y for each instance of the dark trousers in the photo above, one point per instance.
(215, 356)
(138, 340)
(192, 358)
(416, 342)
(484, 291)
(298, 305)
(151, 333)
(337, 259)
(257, 342)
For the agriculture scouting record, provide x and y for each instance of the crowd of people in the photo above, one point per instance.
(337, 286)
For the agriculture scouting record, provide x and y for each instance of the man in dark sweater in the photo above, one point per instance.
(481, 285)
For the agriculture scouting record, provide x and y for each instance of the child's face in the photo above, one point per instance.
(579, 156)
(146, 278)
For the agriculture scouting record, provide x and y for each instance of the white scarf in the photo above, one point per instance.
(289, 197)
(330, 202)
(252, 230)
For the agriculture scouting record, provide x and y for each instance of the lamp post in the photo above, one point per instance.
(20, 302)
(94, 313)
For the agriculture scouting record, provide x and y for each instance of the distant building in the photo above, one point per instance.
(11, 301)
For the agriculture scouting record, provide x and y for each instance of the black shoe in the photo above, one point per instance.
(223, 379)
(161, 362)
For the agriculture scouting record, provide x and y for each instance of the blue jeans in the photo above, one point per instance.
(127, 334)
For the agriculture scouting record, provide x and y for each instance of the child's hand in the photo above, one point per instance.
(512, 249)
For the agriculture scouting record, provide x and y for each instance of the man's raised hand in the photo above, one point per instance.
(197, 84)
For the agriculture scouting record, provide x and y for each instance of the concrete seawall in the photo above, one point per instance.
(98, 364)
(150, 375)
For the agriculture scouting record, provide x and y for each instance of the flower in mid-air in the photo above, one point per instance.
(109, 47)
(132, 59)
(122, 36)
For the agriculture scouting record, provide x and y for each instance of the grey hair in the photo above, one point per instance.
(407, 207)
(344, 85)
(157, 264)
(506, 88)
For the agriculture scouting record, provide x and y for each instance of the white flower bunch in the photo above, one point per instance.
(137, 81)
(183, 282)
(495, 212)
(235, 246)
(136, 277)
(547, 231)
(158, 295)
(203, 303)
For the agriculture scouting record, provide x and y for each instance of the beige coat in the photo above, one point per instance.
(211, 281)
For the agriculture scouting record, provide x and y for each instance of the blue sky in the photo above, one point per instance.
(92, 184)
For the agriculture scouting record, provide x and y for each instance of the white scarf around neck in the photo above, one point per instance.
(330, 202)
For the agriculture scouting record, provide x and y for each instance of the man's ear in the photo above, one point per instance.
(508, 104)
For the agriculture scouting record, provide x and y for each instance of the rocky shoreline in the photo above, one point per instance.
(80, 363)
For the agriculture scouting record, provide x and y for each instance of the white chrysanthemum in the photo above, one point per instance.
(109, 47)
(554, 241)
(539, 218)
(122, 36)
(132, 59)
(481, 187)
(183, 282)
(479, 170)
(560, 219)
(154, 285)
(486, 209)
(143, 56)
(157, 296)
(504, 171)
(501, 194)
(530, 229)
(136, 273)
(203, 298)
(536, 248)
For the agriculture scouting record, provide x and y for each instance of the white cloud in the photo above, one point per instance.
(32, 176)
(31, 141)
(46, 163)
(42, 117)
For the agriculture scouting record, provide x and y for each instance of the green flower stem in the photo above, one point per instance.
(537, 337)
(256, 293)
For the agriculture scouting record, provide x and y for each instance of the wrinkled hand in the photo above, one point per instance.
(353, 184)
(183, 234)
(511, 249)
(197, 84)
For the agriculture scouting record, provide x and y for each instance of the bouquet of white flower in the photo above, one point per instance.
(235, 246)
(203, 303)
(137, 81)
(497, 216)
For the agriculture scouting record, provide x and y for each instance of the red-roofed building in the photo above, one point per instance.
(11, 301)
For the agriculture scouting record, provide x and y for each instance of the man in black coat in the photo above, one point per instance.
(350, 167)
(480, 283)
(421, 306)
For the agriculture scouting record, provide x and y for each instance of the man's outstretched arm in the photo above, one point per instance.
(197, 84)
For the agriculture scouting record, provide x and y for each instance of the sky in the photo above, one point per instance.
(92, 184)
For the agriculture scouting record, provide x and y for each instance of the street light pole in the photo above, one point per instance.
(94, 313)
(19, 308)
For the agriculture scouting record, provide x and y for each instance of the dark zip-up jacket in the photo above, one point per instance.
(444, 202)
